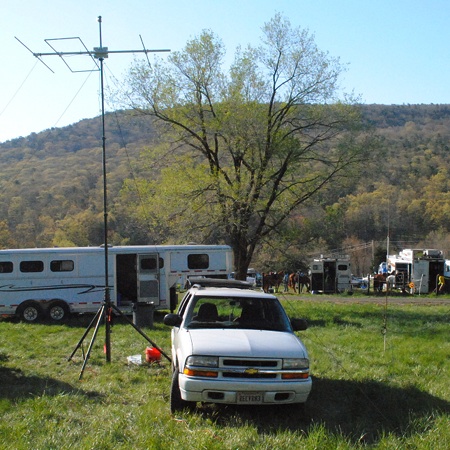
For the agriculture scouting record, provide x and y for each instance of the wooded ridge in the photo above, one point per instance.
(52, 185)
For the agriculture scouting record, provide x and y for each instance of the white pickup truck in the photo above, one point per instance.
(235, 345)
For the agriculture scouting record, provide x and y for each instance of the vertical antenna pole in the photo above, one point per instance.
(107, 299)
(99, 53)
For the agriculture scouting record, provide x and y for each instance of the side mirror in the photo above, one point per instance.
(299, 324)
(172, 320)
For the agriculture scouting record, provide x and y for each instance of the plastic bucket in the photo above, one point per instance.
(152, 354)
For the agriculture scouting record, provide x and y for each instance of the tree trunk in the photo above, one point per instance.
(242, 258)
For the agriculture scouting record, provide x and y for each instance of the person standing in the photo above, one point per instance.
(441, 283)
(286, 281)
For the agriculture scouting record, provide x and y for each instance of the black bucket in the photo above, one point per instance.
(143, 314)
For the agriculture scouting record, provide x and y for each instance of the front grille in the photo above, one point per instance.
(249, 363)
(250, 368)
(249, 375)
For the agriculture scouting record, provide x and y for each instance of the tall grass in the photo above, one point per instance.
(380, 380)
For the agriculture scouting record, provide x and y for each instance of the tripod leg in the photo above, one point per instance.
(100, 316)
(85, 334)
(115, 308)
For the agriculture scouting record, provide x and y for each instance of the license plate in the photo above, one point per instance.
(249, 397)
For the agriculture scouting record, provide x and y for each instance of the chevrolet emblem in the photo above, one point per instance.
(251, 371)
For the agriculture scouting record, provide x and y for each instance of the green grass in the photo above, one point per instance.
(380, 380)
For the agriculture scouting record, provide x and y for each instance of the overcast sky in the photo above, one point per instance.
(397, 51)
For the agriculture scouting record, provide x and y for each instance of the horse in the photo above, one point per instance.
(300, 280)
(303, 281)
(293, 277)
(272, 279)
(378, 281)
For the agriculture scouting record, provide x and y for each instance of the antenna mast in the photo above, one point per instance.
(99, 53)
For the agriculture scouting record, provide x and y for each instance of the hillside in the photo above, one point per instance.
(51, 182)
(49, 176)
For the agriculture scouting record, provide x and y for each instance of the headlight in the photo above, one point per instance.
(295, 363)
(200, 366)
(202, 361)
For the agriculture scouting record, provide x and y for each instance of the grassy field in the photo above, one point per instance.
(380, 380)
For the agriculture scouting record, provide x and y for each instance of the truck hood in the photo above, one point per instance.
(246, 343)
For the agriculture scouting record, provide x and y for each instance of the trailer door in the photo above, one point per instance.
(148, 278)
(420, 277)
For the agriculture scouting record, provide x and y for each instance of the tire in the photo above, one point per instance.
(30, 311)
(177, 404)
(58, 310)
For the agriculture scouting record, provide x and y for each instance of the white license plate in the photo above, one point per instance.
(250, 397)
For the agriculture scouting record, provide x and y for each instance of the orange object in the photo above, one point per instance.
(152, 354)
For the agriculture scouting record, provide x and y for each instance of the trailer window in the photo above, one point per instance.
(6, 266)
(150, 263)
(342, 267)
(200, 261)
(65, 265)
(31, 266)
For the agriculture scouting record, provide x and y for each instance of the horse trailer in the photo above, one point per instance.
(54, 282)
(416, 270)
(330, 275)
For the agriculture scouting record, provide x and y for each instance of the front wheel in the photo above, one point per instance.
(30, 311)
(176, 402)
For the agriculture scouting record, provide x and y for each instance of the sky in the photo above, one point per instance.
(395, 51)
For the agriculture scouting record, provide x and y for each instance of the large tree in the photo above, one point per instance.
(251, 143)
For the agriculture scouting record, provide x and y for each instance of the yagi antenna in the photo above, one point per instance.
(34, 54)
(98, 53)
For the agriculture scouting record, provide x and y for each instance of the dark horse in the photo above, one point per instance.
(272, 279)
(378, 281)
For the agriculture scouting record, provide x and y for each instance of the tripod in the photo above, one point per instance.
(105, 313)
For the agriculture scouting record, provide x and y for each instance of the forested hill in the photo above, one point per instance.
(51, 182)
(120, 128)
(393, 116)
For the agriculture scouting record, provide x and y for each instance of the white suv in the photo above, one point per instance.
(231, 344)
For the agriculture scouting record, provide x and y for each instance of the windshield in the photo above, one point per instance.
(250, 313)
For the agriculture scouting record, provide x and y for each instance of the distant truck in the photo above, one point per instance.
(330, 275)
(54, 282)
(253, 277)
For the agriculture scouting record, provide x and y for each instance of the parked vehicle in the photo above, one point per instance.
(54, 282)
(235, 345)
(416, 270)
(253, 277)
(330, 275)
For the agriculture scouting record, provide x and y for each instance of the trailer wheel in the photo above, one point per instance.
(58, 310)
(177, 404)
(30, 311)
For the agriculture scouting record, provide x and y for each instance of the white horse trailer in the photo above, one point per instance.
(54, 282)
(416, 270)
(330, 275)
